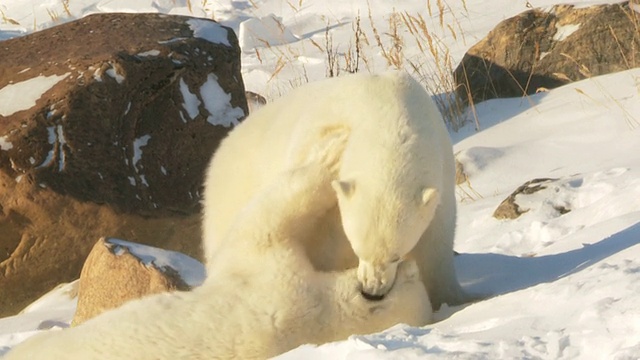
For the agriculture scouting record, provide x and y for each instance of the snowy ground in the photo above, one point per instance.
(561, 285)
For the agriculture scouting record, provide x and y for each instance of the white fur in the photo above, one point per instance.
(395, 186)
(263, 297)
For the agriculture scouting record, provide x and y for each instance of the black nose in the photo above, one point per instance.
(371, 297)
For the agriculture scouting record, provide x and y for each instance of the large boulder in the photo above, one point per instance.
(106, 126)
(118, 271)
(545, 48)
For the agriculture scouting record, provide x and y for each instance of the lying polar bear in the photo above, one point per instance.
(261, 303)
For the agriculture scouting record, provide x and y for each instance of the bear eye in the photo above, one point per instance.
(396, 260)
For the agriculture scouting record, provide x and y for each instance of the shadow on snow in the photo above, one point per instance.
(495, 274)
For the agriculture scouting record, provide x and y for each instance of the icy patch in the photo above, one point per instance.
(190, 270)
(5, 144)
(23, 95)
(149, 53)
(564, 31)
(264, 32)
(191, 103)
(218, 103)
(210, 31)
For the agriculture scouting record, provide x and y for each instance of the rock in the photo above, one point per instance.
(543, 49)
(107, 124)
(510, 208)
(255, 101)
(117, 271)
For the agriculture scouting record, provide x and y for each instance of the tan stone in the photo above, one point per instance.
(112, 275)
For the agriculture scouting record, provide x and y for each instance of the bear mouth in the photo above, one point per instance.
(371, 297)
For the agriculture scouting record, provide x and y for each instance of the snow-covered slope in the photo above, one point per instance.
(559, 286)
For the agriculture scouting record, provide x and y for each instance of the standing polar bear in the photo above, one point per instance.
(247, 309)
(397, 156)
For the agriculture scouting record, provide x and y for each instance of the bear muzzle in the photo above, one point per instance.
(376, 280)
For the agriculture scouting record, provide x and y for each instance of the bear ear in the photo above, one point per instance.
(344, 188)
(428, 195)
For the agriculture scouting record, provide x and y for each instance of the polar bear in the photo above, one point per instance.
(398, 152)
(263, 297)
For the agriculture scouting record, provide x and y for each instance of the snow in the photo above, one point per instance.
(209, 31)
(23, 95)
(54, 310)
(554, 285)
(113, 72)
(217, 102)
(61, 143)
(149, 53)
(191, 102)
(190, 270)
(5, 144)
(264, 32)
(55, 136)
(564, 31)
(138, 144)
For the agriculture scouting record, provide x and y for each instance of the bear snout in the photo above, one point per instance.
(376, 280)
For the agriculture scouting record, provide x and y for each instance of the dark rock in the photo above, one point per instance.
(544, 49)
(255, 101)
(115, 143)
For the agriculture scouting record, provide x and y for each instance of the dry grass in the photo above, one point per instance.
(65, 6)
(7, 20)
(349, 61)
(295, 6)
(466, 192)
(53, 15)
(434, 64)
(631, 119)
